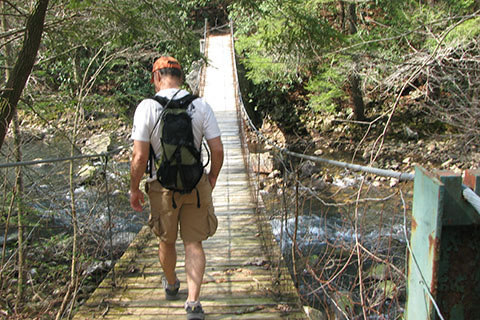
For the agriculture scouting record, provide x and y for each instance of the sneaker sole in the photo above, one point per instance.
(171, 298)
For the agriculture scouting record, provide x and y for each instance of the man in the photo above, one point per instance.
(192, 210)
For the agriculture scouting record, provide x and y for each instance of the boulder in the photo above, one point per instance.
(97, 144)
(86, 174)
(307, 168)
(193, 77)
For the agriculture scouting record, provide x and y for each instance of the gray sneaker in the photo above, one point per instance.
(194, 310)
(171, 291)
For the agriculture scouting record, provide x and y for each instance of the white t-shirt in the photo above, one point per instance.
(204, 123)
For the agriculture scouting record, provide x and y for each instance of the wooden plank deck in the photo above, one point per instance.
(237, 282)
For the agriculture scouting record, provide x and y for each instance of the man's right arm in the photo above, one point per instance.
(138, 165)
(216, 150)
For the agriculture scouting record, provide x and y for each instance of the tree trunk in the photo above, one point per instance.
(20, 215)
(356, 96)
(23, 67)
(18, 175)
(352, 17)
(354, 81)
(341, 9)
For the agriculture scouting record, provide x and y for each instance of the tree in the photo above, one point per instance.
(23, 66)
(354, 80)
(337, 50)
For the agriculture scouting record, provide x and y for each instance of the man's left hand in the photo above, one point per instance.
(212, 180)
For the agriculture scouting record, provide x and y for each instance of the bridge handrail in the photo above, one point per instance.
(469, 195)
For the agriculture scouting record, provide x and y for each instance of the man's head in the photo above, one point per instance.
(167, 66)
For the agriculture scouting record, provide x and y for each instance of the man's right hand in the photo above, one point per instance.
(137, 169)
(137, 200)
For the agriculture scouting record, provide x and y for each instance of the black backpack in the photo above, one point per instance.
(180, 164)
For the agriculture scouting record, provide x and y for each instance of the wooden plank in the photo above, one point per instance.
(142, 314)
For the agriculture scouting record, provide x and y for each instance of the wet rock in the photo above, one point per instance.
(318, 184)
(193, 77)
(98, 267)
(97, 144)
(86, 174)
(376, 184)
(393, 182)
(13, 237)
(314, 314)
(410, 133)
(307, 168)
(274, 174)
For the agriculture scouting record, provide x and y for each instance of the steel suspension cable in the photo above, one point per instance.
(62, 159)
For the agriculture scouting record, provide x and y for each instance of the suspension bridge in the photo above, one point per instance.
(347, 256)
(246, 277)
(238, 283)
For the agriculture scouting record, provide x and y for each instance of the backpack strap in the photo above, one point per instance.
(181, 103)
(164, 102)
(151, 156)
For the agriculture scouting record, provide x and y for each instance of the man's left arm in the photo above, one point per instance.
(138, 165)
(216, 150)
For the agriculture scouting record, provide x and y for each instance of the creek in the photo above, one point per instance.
(329, 227)
(48, 200)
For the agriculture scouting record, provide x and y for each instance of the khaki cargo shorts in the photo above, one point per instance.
(196, 224)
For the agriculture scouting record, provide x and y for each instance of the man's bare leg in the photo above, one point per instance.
(167, 254)
(194, 267)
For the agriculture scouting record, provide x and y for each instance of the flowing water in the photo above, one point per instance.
(48, 199)
(320, 236)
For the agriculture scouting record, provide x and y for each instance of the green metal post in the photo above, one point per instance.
(445, 242)
(427, 213)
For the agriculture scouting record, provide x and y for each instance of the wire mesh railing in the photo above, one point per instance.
(38, 239)
(342, 234)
